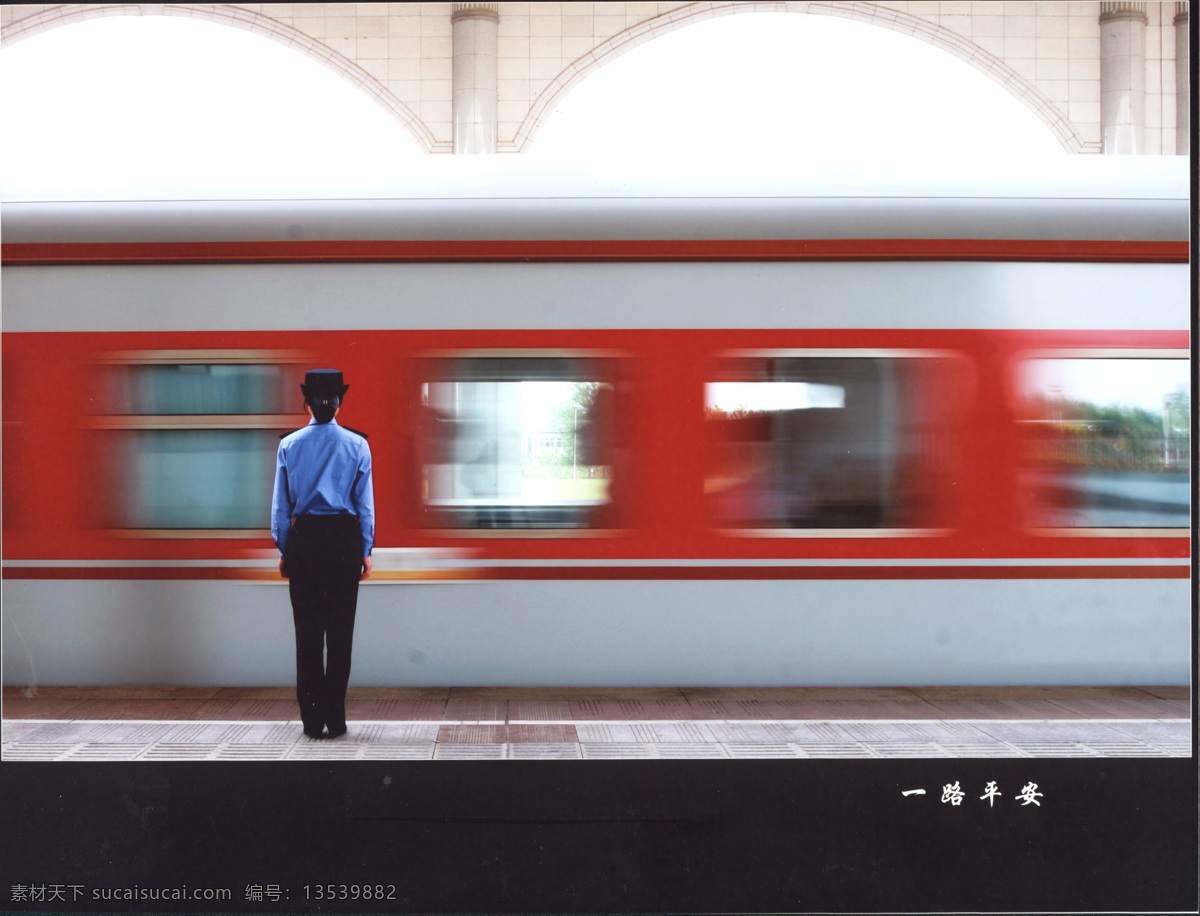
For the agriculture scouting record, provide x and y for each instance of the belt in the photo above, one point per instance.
(340, 519)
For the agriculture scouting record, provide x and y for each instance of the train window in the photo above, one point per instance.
(1106, 440)
(188, 439)
(516, 442)
(191, 478)
(195, 388)
(820, 441)
(16, 375)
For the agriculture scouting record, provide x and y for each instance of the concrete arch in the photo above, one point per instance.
(1032, 97)
(237, 18)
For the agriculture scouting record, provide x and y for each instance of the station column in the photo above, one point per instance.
(476, 39)
(1123, 76)
(1183, 86)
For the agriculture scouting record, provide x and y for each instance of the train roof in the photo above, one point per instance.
(484, 198)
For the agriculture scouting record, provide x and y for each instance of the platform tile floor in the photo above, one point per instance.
(176, 723)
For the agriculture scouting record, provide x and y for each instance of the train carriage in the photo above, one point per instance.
(775, 431)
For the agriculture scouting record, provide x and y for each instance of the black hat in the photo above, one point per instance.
(323, 385)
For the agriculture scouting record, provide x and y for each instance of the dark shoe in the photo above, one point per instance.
(315, 733)
(336, 731)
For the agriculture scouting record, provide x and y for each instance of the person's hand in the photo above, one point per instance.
(366, 573)
(281, 572)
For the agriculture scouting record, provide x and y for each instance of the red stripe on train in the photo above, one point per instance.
(846, 573)
(36, 254)
(707, 573)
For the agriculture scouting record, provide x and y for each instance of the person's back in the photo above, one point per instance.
(323, 522)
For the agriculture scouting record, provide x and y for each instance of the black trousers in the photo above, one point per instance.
(323, 562)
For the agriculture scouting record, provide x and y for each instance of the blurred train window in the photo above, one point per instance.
(188, 440)
(16, 504)
(204, 388)
(516, 442)
(831, 442)
(192, 478)
(1106, 442)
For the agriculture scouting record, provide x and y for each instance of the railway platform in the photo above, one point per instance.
(513, 723)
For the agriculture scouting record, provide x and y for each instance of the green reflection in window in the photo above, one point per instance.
(195, 478)
(1107, 442)
(192, 389)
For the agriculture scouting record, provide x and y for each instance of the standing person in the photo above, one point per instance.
(323, 522)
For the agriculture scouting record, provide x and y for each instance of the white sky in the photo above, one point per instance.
(128, 106)
(130, 103)
(540, 403)
(1141, 383)
(800, 87)
(731, 396)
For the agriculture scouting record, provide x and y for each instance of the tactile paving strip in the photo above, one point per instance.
(395, 733)
(398, 751)
(907, 749)
(921, 732)
(1050, 732)
(648, 709)
(199, 732)
(260, 733)
(43, 708)
(534, 733)
(1053, 749)
(1120, 708)
(1182, 749)
(982, 749)
(815, 732)
(32, 751)
(469, 752)
(550, 751)
(619, 750)
(245, 709)
(396, 710)
(714, 709)
(835, 751)
(1000, 709)
(763, 751)
(193, 750)
(252, 751)
(323, 750)
(746, 732)
(539, 710)
(472, 734)
(41, 740)
(472, 710)
(106, 751)
(587, 709)
(689, 751)
(690, 733)
(728, 708)
(106, 732)
(618, 732)
(1154, 732)
(33, 732)
(1126, 749)
(879, 709)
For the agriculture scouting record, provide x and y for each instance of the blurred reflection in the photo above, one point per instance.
(188, 389)
(1107, 442)
(188, 445)
(190, 478)
(516, 442)
(822, 442)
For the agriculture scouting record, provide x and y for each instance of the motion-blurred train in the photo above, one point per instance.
(766, 431)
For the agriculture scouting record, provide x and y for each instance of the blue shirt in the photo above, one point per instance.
(323, 469)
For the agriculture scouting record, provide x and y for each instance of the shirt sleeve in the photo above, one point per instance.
(281, 506)
(364, 499)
